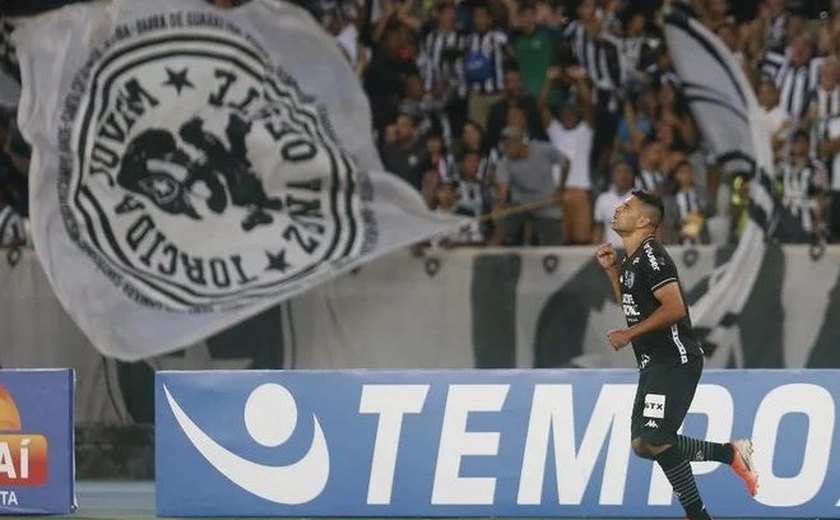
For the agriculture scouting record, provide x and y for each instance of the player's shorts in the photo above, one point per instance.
(663, 397)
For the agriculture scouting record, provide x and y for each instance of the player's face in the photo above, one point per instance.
(626, 216)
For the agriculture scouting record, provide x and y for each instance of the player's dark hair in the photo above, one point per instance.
(652, 201)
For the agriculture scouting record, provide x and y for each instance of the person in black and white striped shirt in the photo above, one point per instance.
(796, 76)
(829, 148)
(441, 63)
(801, 182)
(441, 50)
(650, 177)
(485, 51)
(685, 210)
(824, 101)
(634, 48)
(597, 53)
(775, 29)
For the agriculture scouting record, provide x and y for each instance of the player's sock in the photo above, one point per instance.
(678, 471)
(696, 450)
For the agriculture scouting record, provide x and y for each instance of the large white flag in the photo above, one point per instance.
(193, 166)
(727, 112)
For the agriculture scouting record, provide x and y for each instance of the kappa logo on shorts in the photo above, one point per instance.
(196, 174)
(654, 406)
(651, 424)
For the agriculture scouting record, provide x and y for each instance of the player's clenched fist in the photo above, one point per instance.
(618, 338)
(606, 256)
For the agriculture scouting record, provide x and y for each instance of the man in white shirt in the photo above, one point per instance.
(774, 118)
(572, 134)
(621, 174)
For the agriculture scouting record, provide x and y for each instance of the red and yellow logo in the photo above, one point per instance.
(23, 457)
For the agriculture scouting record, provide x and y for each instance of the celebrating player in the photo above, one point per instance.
(670, 358)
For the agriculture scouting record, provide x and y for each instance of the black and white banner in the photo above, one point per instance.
(194, 166)
(461, 309)
(727, 112)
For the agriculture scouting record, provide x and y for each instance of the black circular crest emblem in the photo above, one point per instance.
(195, 172)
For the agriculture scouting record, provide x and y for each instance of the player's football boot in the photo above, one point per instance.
(742, 464)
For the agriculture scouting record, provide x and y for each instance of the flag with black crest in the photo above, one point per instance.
(193, 166)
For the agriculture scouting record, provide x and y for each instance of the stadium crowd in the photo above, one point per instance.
(548, 112)
(538, 116)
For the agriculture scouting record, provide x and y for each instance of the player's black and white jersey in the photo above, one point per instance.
(646, 270)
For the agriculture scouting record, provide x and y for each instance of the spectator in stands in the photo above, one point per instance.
(472, 139)
(515, 97)
(471, 191)
(438, 167)
(486, 50)
(673, 152)
(387, 74)
(633, 50)
(438, 159)
(571, 133)
(769, 29)
(801, 183)
(441, 62)
(339, 21)
(525, 175)
(661, 69)
(774, 118)
(621, 174)
(824, 101)
(403, 13)
(795, 74)
(447, 202)
(650, 177)
(440, 50)
(635, 126)
(686, 209)
(403, 153)
(596, 50)
(427, 108)
(535, 49)
(827, 44)
(672, 111)
(829, 149)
